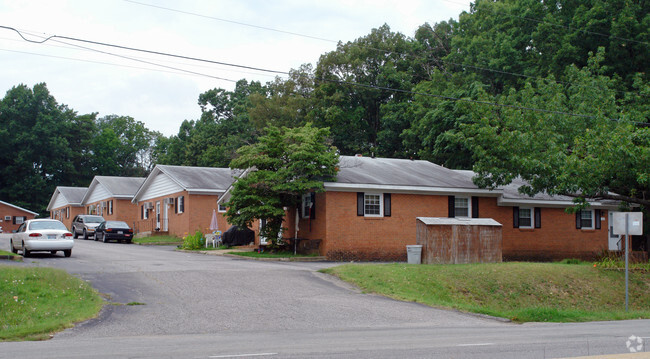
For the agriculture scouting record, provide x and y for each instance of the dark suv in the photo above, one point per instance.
(85, 225)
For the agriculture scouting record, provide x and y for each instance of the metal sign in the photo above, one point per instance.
(634, 223)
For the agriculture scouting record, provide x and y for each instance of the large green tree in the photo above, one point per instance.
(121, 147)
(34, 149)
(212, 140)
(353, 82)
(575, 140)
(284, 164)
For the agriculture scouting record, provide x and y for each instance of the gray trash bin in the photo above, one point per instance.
(414, 254)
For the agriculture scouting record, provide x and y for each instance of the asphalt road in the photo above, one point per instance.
(201, 306)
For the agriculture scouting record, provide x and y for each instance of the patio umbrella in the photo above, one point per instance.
(214, 225)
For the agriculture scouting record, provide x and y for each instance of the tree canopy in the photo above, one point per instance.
(284, 164)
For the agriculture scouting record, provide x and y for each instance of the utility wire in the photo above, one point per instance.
(233, 22)
(143, 50)
(387, 52)
(322, 79)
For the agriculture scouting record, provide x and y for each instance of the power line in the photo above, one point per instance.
(233, 22)
(322, 79)
(474, 67)
(143, 50)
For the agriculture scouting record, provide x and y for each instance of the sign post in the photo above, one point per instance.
(628, 223)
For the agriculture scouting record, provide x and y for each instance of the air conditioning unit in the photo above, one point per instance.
(148, 205)
(168, 201)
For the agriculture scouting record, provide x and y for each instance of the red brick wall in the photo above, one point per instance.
(557, 238)
(123, 210)
(8, 226)
(347, 236)
(196, 216)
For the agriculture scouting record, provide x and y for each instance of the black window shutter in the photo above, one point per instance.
(142, 212)
(597, 219)
(538, 217)
(176, 205)
(452, 207)
(14, 219)
(360, 210)
(474, 207)
(312, 210)
(578, 224)
(386, 204)
(182, 209)
(515, 217)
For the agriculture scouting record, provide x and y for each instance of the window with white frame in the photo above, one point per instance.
(222, 208)
(587, 219)
(526, 218)
(372, 204)
(180, 204)
(306, 205)
(461, 207)
(20, 220)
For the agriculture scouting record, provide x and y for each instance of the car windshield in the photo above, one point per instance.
(47, 225)
(93, 219)
(116, 224)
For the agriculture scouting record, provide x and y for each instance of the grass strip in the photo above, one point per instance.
(271, 255)
(36, 302)
(522, 292)
(5, 253)
(158, 240)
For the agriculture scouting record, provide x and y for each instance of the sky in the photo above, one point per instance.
(162, 91)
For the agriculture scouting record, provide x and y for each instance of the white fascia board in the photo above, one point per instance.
(510, 202)
(353, 187)
(145, 184)
(205, 191)
(92, 186)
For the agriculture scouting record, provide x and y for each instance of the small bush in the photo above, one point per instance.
(193, 241)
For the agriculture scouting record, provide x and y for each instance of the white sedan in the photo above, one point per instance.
(42, 235)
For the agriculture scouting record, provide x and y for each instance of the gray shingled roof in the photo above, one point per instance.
(399, 172)
(195, 178)
(510, 193)
(121, 186)
(73, 195)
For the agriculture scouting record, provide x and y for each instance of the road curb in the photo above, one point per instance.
(12, 257)
(287, 259)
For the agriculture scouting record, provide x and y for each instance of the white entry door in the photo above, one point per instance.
(158, 214)
(165, 224)
(262, 224)
(614, 240)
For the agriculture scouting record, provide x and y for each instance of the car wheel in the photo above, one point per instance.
(74, 233)
(13, 249)
(104, 238)
(67, 252)
(96, 236)
(26, 252)
(53, 252)
(85, 234)
(128, 241)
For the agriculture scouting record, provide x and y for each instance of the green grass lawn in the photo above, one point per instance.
(5, 253)
(521, 292)
(158, 240)
(35, 302)
(271, 255)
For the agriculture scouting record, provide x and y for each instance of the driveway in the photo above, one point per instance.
(209, 306)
